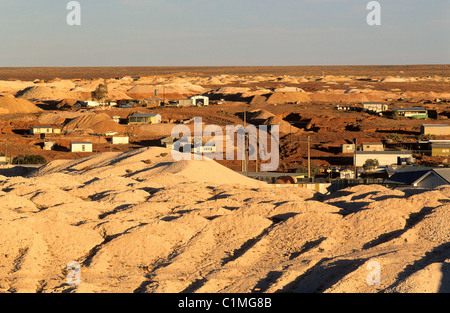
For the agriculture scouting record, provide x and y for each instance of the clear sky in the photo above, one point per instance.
(226, 32)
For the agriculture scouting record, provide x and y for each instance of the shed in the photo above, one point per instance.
(185, 103)
(81, 147)
(152, 118)
(91, 104)
(415, 113)
(372, 146)
(347, 174)
(435, 129)
(376, 107)
(120, 140)
(200, 100)
(49, 145)
(347, 148)
(440, 149)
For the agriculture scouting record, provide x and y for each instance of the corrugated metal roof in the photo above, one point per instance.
(436, 125)
(440, 145)
(385, 152)
(444, 173)
(408, 175)
(145, 115)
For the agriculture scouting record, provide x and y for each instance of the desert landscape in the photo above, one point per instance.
(138, 221)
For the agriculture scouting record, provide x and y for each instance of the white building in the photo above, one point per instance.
(375, 107)
(200, 100)
(81, 147)
(421, 177)
(120, 140)
(91, 104)
(44, 130)
(49, 145)
(384, 158)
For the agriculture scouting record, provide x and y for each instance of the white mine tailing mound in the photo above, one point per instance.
(11, 105)
(153, 163)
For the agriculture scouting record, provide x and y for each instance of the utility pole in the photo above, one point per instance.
(244, 161)
(309, 157)
(354, 158)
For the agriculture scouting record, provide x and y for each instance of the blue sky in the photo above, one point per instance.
(231, 32)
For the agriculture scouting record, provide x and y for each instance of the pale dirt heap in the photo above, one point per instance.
(141, 222)
(11, 105)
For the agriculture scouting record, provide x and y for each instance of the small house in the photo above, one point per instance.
(414, 113)
(118, 140)
(435, 129)
(347, 174)
(420, 177)
(91, 104)
(81, 147)
(5, 160)
(35, 130)
(372, 146)
(141, 118)
(347, 148)
(206, 148)
(185, 103)
(375, 107)
(175, 143)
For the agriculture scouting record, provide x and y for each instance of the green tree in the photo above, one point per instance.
(427, 137)
(100, 93)
(29, 159)
(371, 164)
(394, 137)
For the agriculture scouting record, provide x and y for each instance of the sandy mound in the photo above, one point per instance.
(284, 127)
(12, 87)
(153, 165)
(12, 105)
(288, 97)
(44, 93)
(99, 123)
(256, 116)
(174, 90)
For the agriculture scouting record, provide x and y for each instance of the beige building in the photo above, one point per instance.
(347, 148)
(372, 146)
(81, 147)
(44, 130)
(435, 129)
